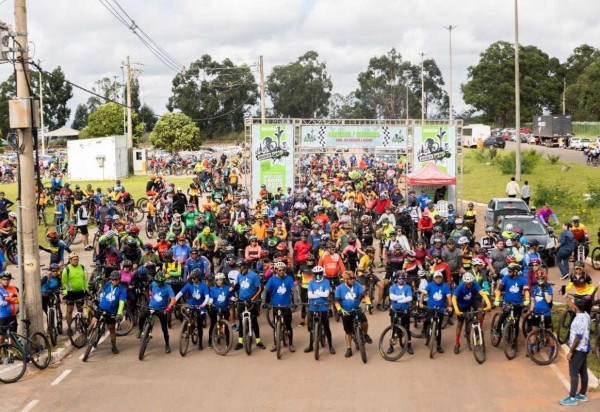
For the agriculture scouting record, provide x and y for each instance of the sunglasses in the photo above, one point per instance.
(352, 278)
(535, 264)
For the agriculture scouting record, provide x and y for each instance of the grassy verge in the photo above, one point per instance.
(593, 363)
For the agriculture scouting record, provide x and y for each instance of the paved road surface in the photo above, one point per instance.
(575, 156)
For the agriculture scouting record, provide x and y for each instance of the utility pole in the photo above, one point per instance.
(42, 114)
(31, 293)
(129, 121)
(451, 106)
(422, 90)
(564, 96)
(263, 115)
(517, 96)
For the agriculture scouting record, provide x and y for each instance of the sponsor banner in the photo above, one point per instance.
(272, 157)
(392, 137)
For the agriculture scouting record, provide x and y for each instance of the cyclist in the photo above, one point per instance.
(541, 304)
(580, 234)
(279, 295)
(401, 295)
(348, 296)
(365, 271)
(304, 276)
(50, 283)
(9, 303)
(439, 299)
(516, 292)
(172, 271)
(489, 240)
(332, 263)
(197, 296)
(470, 217)
(467, 296)
(112, 300)
(248, 289)
(56, 248)
(74, 285)
(319, 289)
(581, 282)
(162, 300)
(220, 297)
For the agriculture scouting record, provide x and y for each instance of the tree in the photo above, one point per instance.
(7, 92)
(81, 117)
(148, 117)
(491, 85)
(578, 61)
(582, 97)
(436, 98)
(175, 132)
(301, 88)
(344, 107)
(215, 95)
(108, 89)
(107, 120)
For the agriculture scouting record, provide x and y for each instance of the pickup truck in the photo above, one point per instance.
(502, 206)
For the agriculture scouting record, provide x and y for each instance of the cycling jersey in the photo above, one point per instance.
(219, 297)
(172, 269)
(332, 264)
(196, 294)
(280, 290)
(349, 297)
(540, 305)
(305, 275)
(249, 285)
(466, 296)
(5, 304)
(50, 283)
(318, 294)
(111, 296)
(437, 295)
(513, 288)
(161, 296)
(400, 296)
(74, 279)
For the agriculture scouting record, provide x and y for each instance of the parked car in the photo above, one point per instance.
(533, 229)
(579, 143)
(503, 206)
(497, 142)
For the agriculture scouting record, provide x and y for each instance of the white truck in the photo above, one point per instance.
(473, 132)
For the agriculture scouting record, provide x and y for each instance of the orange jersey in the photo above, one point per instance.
(332, 264)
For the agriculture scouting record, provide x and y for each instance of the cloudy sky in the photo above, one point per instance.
(90, 43)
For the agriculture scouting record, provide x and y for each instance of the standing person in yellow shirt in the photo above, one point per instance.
(365, 271)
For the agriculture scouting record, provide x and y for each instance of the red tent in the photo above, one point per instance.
(430, 175)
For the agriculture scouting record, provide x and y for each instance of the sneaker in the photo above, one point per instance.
(88, 247)
(302, 322)
(273, 348)
(308, 349)
(114, 350)
(292, 349)
(261, 345)
(238, 346)
(440, 349)
(563, 277)
(390, 350)
(568, 401)
(210, 345)
(457, 348)
(332, 350)
(368, 339)
(348, 353)
(581, 397)
(200, 347)
(410, 350)
(167, 349)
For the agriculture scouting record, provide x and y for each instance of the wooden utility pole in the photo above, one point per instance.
(129, 121)
(263, 115)
(31, 293)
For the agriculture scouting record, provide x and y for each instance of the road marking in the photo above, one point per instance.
(30, 405)
(102, 339)
(561, 376)
(61, 377)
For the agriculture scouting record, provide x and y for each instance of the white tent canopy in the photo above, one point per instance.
(62, 132)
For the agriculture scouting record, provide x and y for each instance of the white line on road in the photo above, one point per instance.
(30, 405)
(102, 339)
(561, 376)
(61, 377)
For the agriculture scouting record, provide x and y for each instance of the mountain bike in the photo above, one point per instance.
(33, 347)
(595, 256)
(542, 345)
(245, 309)
(281, 333)
(222, 334)
(394, 339)
(147, 331)
(189, 328)
(474, 335)
(358, 336)
(433, 330)
(13, 363)
(96, 333)
(79, 323)
(508, 332)
(54, 317)
(319, 337)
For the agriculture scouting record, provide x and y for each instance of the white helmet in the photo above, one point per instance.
(438, 273)
(220, 276)
(318, 269)
(575, 219)
(468, 277)
(477, 262)
(508, 227)
(463, 240)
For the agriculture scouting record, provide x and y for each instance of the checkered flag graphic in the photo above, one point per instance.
(386, 135)
(321, 135)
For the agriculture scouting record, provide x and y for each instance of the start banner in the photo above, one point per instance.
(391, 137)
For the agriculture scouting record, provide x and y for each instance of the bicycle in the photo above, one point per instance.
(147, 331)
(189, 329)
(79, 324)
(541, 340)
(32, 347)
(474, 335)
(595, 256)
(42, 218)
(579, 254)
(508, 332)
(54, 317)
(358, 336)
(433, 330)
(319, 337)
(222, 334)
(394, 338)
(281, 333)
(96, 334)
(247, 332)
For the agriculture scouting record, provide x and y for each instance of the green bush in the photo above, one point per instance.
(553, 158)
(529, 160)
(553, 195)
(594, 191)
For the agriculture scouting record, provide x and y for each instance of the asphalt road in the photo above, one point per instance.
(575, 156)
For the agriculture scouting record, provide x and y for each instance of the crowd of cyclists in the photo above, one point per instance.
(350, 233)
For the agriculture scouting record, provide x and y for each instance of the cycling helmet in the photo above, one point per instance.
(423, 273)
(470, 204)
(243, 263)
(134, 230)
(220, 276)
(437, 240)
(534, 242)
(54, 266)
(73, 255)
(12, 214)
(240, 219)
(224, 243)
(508, 227)
(110, 234)
(53, 234)
(253, 239)
(393, 232)
(437, 228)
(468, 277)
(131, 242)
(351, 240)
(437, 254)
(318, 269)
(115, 275)
(159, 277)
(519, 230)
(514, 266)
(477, 262)
(102, 243)
(279, 265)
(579, 264)
(142, 271)
(463, 240)
(168, 255)
(451, 242)
(411, 253)
(535, 260)
(115, 217)
(325, 238)
(575, 219)
(458, 221)
(127, 263)
(270, 230)
(83, 202)
(438, 274)
(148, 247)
(195, 274)
(511, 259)
(489, 229)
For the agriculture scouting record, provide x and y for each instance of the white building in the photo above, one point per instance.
(103, 158)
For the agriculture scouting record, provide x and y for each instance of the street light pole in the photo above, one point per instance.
(450, 104)
(422, 90)
(564, 96)
(517, 97)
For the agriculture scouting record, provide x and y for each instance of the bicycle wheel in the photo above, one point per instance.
(393, 343)
(564, 326)
(371, 293)
(184, 337)
(416, 320)
(125, 326)
(595, 256)
(545, 347)
(13, 363)
(510, 344)
(360, 342)
(222, 337)
(149, 227)
(77, 238)
(90, 345)
(138, 215)
(194, 332)
(596, 347)
(318, 329)
(496, 338)
(247, 336)
(59, 318)
(79, 332)
(142, 204)
(278, 338)
(526, 325)
(433, 337)
(478, 344)
(40, 350)
(468, 335)
(52, 332)
(145, 339)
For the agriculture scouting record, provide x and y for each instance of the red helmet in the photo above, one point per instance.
(207, 207)
(279, 214)
(281, 246)
(53, 234)
(511, 259)
(134, 230)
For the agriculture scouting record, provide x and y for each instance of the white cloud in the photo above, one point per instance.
(89, 43)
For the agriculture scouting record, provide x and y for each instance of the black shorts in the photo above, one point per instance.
(9, 320)
(364, 279)
(348, 322)
(72, 296)
(536, 319)
(83, 229)
(475, 305)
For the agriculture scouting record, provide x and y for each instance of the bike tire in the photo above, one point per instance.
(125, 326)
(542, 340)
(478, 345)
(12, 253)
(360, 341)
(40, 350)
(596, 347)
(270, 319)
(495, 339)
(468, 335)
(222, 333)
(79, 336)
(144, 341)
(142, 204)
(416, 331)
(318, 330)
(433, 338)
(278, 338)
(90, 345)
(564, 326)
(138, 215)
(52, 332)
(184, 338)
(510, 344)
(390, 336)
(13, 363)
(59, 318)
(526, 325)
(149, 230)
(247, 336)
(595, 257)
(76, 238)
(194, 333)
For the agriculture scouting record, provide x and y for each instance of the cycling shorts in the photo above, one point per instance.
(348, 322)
(364, 279)
(72, 296)
(536, 319)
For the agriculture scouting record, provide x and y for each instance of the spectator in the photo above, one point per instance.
(545, 213)
(512, 188)
(526, 192)
(566, 245)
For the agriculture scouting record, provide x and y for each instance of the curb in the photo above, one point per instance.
(593, 382)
